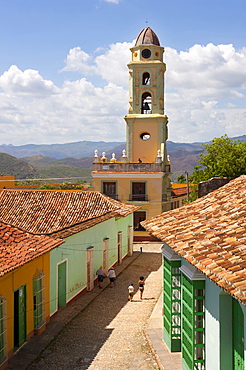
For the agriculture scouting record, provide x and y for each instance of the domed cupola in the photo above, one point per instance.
(147, 37)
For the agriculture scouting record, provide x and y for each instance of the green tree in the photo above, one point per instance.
(223, 158)
(181, 179)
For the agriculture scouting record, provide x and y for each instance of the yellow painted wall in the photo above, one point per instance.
(153, 207)
(146, 150)
(14, 280)
(7, 182)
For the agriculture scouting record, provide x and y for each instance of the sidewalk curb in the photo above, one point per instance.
(148, 333)
(158, 361)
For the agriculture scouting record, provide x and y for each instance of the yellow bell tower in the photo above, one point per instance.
(146, 122)
(142, 174)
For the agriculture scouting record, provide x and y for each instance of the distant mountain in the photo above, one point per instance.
(40, 161)
(189, 147)
(183, 160)
(58, 151)
(82, 149)
(74, 160)
(11, 166)
(68, 169)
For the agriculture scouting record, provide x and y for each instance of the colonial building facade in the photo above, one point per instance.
(204, 288)
(52, 243)
(141, 175)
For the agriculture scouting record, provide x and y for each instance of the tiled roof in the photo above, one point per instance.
(49, 211)
(178, 192)
(74, 229)
(18, 247)
(210, 233)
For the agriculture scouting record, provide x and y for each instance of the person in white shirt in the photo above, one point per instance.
(112, 277)
(131, 292)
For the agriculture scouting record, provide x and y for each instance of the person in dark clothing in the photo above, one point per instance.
(141, 284)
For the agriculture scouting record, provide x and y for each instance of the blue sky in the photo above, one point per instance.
(63, 73)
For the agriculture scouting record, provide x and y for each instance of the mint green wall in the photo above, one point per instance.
(226, 356)
(244, 313)
(74, 252)
(122, 225)
(212, 324)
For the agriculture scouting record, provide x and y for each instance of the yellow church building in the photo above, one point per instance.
(142, 175)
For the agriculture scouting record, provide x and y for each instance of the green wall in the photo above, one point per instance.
(212, 316)
(73, 251)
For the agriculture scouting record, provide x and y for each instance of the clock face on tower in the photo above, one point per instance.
(146, 53)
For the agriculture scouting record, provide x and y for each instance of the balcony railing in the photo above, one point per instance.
(138, 198)
(131, 167)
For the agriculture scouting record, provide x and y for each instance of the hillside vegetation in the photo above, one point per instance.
(11, 166)
(73, 161)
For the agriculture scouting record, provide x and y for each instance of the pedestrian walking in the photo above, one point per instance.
(130, 292)
(101, 275)
(112, 277)
(141, 284)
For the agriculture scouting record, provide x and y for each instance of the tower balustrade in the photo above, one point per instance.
(131, 167)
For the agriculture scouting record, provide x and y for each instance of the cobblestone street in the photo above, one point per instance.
(109, 333)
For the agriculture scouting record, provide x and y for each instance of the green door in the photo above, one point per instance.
(238, 336)
(20, 316)
(62, 278)
(37, 301)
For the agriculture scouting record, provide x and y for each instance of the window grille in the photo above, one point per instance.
(193, 323)
(3, 330)
(39, 301)
(172, 304)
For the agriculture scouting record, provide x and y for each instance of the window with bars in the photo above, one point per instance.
(172, 305)
(193, 323)
(138, 217)
(3, 330)
(110, 188)
(38, 301)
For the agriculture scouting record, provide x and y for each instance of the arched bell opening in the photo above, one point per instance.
(146, 103)
(146, 78)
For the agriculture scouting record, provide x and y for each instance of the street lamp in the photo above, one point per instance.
(187, 184)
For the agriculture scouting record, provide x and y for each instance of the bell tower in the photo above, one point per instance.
(146, 124)
(141, 176)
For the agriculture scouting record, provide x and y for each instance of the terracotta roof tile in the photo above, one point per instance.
(178, 192)
(211, 234)
(47, 212)
(18, 247)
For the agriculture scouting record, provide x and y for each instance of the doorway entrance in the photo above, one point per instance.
(237, 335)
(62, 284)
(20, 316)
(119, 247)
(90, 268)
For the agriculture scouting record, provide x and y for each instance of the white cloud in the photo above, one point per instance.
(112, 1)
(205, 97)
(111, 64)
(203, 84)
(79, 61)
(27, 82)
(209, 69)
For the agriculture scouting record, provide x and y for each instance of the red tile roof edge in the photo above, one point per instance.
(18, 247)
(49, 211)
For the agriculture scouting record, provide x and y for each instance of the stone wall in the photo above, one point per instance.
(208, 186)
